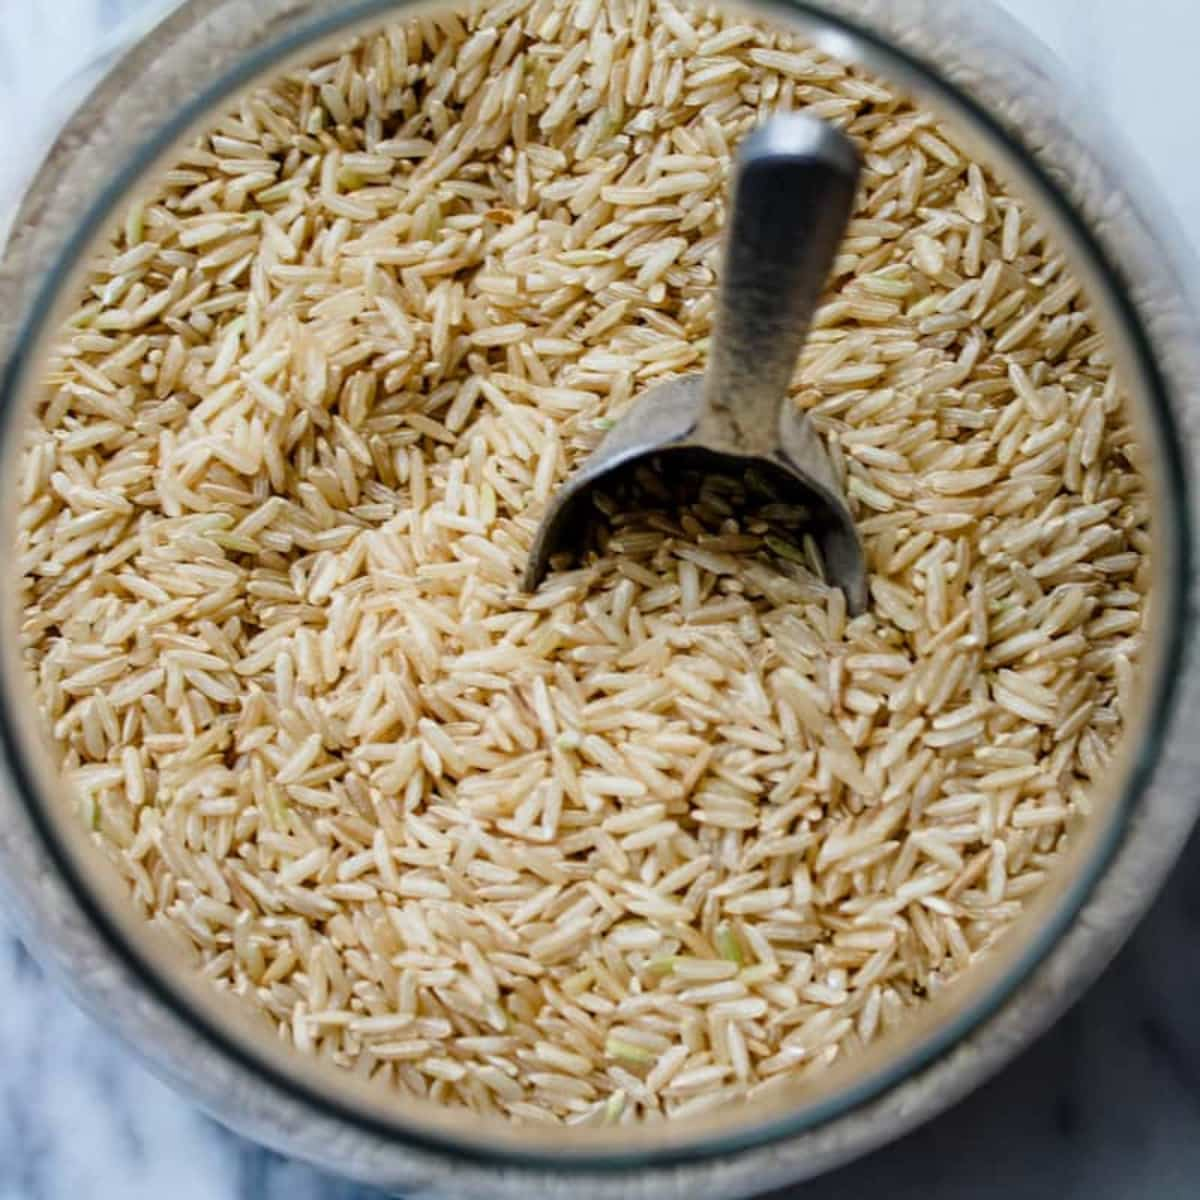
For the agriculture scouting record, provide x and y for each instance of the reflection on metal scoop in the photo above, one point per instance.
(792, 196)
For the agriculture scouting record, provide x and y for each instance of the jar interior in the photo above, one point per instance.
(927, 1032)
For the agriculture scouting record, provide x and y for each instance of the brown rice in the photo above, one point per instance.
(675, 827)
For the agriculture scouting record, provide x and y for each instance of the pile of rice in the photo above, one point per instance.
(674, 830)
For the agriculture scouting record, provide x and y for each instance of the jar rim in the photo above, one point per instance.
(832, 25)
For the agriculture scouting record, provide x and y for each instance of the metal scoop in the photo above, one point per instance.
(792, 195)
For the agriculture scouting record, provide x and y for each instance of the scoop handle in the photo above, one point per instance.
(793, 191)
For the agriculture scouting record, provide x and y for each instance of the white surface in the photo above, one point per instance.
(1135, 60)
(1106, 1107)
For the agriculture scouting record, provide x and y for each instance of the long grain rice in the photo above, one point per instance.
(676, 828)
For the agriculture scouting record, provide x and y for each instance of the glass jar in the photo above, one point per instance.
(973, 66)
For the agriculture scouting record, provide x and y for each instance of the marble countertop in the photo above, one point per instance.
(1106, 1106)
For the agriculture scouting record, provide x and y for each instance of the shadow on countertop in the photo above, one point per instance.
(1105, 1106)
